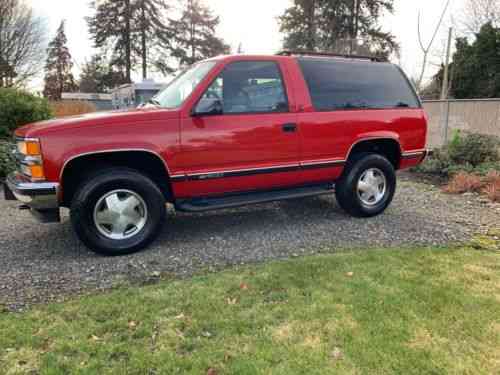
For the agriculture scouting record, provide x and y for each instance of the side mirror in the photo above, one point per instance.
(208, 107)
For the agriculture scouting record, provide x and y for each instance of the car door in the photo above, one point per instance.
(248, 141)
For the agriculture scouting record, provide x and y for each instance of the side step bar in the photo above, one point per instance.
(243, 199)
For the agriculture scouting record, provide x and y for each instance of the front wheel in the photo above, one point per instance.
(117, 211)
(367, 186)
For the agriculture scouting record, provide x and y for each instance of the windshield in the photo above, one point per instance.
(181, 87)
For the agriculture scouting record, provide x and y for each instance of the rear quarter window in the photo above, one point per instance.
(336, 84)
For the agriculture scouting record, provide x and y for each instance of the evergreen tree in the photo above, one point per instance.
(475, 70)
(98, 76)
(299, 23)
(154, 33)
(476, 66)
(58, 76)
(134, 29)
(111, 27)
(342, 26)
(195, 38)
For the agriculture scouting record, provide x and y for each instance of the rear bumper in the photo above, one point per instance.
(413, 158)
(40, 197)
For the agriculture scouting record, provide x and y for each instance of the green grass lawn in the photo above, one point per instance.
(401, 311)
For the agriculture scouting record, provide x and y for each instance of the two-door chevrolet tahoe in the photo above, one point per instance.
(228, 131)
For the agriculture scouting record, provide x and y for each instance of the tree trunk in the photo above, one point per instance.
(144, 45)
(193, 31)
(128, 58)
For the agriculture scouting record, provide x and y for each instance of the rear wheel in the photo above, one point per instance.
(367, 186)
(117, 211)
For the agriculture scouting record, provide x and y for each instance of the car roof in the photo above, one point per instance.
(295, 56)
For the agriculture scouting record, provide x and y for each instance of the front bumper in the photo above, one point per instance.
(40, 197)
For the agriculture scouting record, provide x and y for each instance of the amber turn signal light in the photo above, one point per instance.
(29, 148)
(37, 172)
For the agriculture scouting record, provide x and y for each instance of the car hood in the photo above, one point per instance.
(124, 117)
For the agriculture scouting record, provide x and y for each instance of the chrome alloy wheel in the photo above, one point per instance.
(120, 214)
(372, 186)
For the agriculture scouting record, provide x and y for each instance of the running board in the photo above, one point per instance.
(231, 201)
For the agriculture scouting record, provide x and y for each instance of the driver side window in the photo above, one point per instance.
(248, 87)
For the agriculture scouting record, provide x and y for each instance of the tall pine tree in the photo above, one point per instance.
(58, 75)
(342, 26)
(133, 29)
(151, 25)
(195, 38)
(111, 27)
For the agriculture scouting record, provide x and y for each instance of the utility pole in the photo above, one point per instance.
(444, 88)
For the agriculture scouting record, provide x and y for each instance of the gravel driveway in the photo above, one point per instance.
(41, 263)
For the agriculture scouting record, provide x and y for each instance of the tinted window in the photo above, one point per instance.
(249, 87)
(339, 84)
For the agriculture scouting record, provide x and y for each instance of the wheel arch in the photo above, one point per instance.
(388, 146)
(145, 161)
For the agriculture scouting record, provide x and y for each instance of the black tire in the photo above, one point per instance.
(346, 188)
(107, 180)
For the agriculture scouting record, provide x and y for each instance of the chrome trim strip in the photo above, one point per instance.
(21, 139)
(28, 160)
(413, 154)
(255, 171)
(242, 172)
(323, 163)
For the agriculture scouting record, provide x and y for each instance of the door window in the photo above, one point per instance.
(248, 87)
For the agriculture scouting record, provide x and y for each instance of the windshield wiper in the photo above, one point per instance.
(154, 102)
(402, 105)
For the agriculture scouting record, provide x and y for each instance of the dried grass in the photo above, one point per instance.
(464, 182)
(71, 108)
(492, 190)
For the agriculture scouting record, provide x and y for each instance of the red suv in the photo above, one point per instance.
(229, 131)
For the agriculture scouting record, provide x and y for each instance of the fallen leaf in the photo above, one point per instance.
(212, 371)
(232, 301)
(95, 338)
(179, 333)
(180, 316)
(132, 324)
(350, 274)
(243, 286)
(336, 353)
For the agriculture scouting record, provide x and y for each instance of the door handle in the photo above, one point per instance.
(290, 128)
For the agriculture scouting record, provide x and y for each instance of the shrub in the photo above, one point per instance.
(473, 149)
(464, 182)
(19, 108)
(471, 153)
(7, 163)
(73, 108)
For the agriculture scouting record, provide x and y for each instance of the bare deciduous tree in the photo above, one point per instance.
(21, 43)
(427, 48)
(476, 13)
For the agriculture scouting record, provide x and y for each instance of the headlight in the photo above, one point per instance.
(29, 147)
(30, 158)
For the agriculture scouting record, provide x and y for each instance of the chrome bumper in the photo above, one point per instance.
(40, 197)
